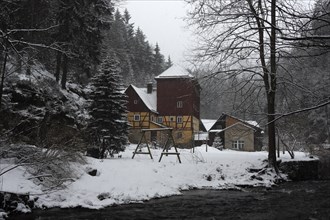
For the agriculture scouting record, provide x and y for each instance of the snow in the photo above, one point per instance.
(208, 123)
(37, 72)
(253, 123)
(150, 100)
(175, 71)
(3, 215)
(17, 180)
(126, 180)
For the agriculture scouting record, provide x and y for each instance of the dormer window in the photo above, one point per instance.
(179, 104)
(135, 101)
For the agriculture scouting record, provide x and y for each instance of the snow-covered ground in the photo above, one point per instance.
(125, 180)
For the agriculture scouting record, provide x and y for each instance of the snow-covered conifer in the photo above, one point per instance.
(108, 108)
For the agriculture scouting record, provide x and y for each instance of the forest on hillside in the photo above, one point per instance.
(64, 64)
(71, 37)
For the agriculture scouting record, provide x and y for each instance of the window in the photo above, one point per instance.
(152, 118)
(179, 120)
(179, 135)
(137, 117)
(179, 104)
(172, 119)
(238, 145)
(160, 120)
(135, 101)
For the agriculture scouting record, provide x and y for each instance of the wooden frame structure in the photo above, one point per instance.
(165, 146)
(140, 142)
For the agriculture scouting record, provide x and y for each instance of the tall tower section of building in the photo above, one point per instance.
(178, 103)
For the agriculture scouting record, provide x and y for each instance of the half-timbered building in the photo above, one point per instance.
(175, 103)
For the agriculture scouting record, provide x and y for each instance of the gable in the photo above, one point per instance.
(140, 101)
(239, 126)
(225, 121)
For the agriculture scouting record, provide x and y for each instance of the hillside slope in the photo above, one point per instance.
(36, 111)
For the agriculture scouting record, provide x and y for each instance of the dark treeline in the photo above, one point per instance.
(305, 82)
(71, 37)
(139, 60)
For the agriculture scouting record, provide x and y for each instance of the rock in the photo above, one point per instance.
(14, 202)
(103, 196)
(3, 214)
(93, 172)
(256, 177)
(209, 177)
(324, 164)
(300, 170)
(27, 103)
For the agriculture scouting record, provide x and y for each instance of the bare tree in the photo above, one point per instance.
(245, 39)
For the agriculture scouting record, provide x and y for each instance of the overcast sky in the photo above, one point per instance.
(162, 22)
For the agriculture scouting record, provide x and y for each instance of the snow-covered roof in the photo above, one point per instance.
(149, 99)
(175, 71)
(233, 125)
(216, 130)
(208, 123)
(253, 123)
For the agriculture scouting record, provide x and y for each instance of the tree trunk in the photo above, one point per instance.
(272, 91)
(65, 71)
(3, 73)
(58, 66)
(271, 129)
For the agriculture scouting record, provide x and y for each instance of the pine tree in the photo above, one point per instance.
(158, 61)
(138, 59)
(108, 108)
(168, 63)
(79, 31)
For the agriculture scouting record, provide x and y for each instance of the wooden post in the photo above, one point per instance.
(137, 147)
(166, 147)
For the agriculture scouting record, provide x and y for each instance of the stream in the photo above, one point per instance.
(290, 200)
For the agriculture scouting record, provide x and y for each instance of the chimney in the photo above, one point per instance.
(149, 87)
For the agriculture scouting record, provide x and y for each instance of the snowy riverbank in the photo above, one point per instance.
(126, 180)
